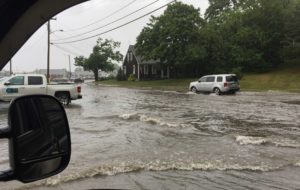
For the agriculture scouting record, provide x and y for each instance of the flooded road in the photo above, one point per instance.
(145, 139)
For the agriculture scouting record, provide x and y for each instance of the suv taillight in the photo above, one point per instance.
(78, 89)
(225, 84)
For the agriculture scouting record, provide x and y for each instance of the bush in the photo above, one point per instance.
(131, 77)
(238, 72)
(120, 75)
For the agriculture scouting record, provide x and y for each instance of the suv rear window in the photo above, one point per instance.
(231, 79)
(219, 79)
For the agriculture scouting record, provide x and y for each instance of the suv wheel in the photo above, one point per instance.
(217, 91)
(194, 89)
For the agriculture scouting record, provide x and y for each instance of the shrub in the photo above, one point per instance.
(131, 77)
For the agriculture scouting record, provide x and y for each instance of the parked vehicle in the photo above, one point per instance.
(60, 81)
(28, 84)
(219, 84)
(77, 80)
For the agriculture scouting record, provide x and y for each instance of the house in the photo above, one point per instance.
(143, 69)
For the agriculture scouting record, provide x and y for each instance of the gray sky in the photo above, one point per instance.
(74, 21)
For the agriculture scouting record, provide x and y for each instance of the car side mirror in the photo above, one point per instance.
(39, 138)
(7, 83)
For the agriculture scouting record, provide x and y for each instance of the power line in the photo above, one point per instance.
(78, 49)
(113, 13)
(65, 50)
(78, 35)
(74, 47)
(110, 30)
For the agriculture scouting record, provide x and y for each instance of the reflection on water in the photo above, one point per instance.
(169, 140)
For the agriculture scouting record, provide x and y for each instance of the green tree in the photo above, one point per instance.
(218, 7)
(101, 58)
(172, 37)
(246, 33)
(291, 50)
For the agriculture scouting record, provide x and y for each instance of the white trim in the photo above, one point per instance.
(124, 69)
(138, 71)
(133, 69)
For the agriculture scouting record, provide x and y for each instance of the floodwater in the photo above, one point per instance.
(144, 139)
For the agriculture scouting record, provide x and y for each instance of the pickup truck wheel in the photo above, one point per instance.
(194, 89)
(64, 98)
(217, 91)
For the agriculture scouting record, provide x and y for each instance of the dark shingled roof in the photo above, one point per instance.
(139, 58)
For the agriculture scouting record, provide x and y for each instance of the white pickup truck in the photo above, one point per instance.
(26, 84)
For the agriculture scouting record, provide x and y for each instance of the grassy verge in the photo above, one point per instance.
(281, 80)
(179, 85)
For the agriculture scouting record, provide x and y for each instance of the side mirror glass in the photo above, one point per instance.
(39, 138)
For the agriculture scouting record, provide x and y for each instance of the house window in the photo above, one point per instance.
(133, 69)
(153, 69)
(129, 56)
(124, 69)
(146, 69)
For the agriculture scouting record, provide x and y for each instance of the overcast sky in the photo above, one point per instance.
(82, 19)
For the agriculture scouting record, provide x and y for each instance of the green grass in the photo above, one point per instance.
(287, 79)
(179, 85)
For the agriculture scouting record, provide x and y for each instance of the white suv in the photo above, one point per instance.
(224, 83)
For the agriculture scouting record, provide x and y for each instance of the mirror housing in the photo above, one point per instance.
(39, 138)
(7, 83)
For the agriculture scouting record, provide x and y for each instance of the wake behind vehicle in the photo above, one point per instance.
(28, 84)
(218, 84)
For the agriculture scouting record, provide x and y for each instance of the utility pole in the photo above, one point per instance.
(48, 53)
(10, 67)
(48, 44)
(70, 66)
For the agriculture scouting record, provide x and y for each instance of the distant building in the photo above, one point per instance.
(144, 69)
(54, 73)
(4, 73)
(111, 73)
(80, 73)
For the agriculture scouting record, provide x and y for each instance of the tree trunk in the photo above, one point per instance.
(96, 74)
